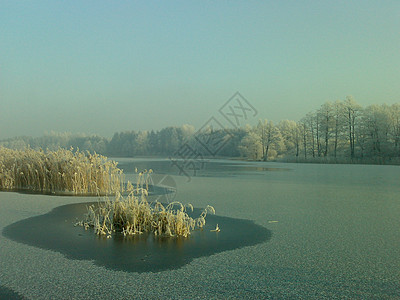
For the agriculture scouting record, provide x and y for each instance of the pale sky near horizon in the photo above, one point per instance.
(98, 67)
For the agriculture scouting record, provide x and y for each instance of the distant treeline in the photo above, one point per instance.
(165, 142)
(341, 131)
(54, 141)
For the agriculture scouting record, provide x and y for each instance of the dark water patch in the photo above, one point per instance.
(9, 294)
(29, 191)
(204, 168)
(152, 190)
(139, 253)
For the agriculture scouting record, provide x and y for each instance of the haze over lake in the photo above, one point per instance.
(101, 67)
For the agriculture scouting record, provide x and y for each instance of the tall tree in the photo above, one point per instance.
(310, 121)
(271, 138)
(325, 114)
(352, 112)
(395, 128)
(338, 119)
(291, 136)
(304, 135)
(251, 146)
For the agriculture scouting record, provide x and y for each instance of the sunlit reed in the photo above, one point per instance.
(61, 171)
(133, 215)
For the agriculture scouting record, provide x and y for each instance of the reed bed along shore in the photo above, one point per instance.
(61, 171)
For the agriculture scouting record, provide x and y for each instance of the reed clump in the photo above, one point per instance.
(61, 171)
(133, 215)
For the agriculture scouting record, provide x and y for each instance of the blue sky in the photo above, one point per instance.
(106, 66)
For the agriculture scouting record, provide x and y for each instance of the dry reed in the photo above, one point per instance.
(61, 171)
(135, 215)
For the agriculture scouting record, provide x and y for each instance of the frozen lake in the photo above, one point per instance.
(335, 233)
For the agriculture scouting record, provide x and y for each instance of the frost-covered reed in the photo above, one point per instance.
(135, 215)
(61, 171)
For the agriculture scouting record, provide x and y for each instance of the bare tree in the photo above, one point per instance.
(338, 119)
(325, 115)
(352, 111)
(290, 132)
(310, 119)
(303, 126)
(271, 138)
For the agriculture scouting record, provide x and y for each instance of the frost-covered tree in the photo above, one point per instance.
(376, 121)
(291, 136)
(271, 139)
(326, 118)
(251, 146)
(352, 111)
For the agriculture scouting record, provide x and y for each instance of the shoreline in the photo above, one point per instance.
(291, 160)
